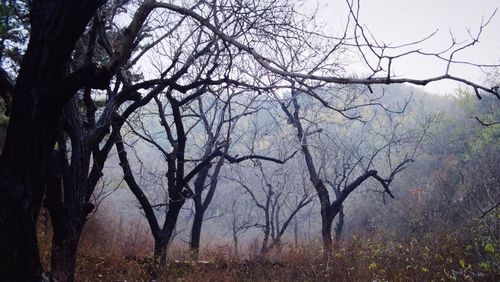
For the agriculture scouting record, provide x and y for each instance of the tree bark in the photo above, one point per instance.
(326, 229)
(37, 105)
(68, 219)
(64, 250)
(68, 193)
(200, 204)
(340, 224)
(163, 239)
(199, 211)
(19, 258)
(196, 232)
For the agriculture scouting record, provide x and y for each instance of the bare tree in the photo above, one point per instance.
(241, 221)
(38, 98)
(354, 166)
(214, 117)
(277, 199)
(176, 157)
(79, 159)
(275, 190)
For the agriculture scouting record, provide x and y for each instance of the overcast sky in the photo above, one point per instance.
(402, 21)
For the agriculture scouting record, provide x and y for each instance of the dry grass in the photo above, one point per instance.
(361, 258)
(374, 256)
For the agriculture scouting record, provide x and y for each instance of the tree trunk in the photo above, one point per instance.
(63, 257)
(19, 258)
(23, 164)
(340, 224)
(66, 197)
(196, 232)
(199, 209)
(326, 229)
(162, 240)
(67, 226)
(159, 258)
(55, 27)
(265, 240)
(235, 242)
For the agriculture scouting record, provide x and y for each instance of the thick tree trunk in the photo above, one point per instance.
(63, 257)
(159, 258)
(67, 194)
(23, 166)
(55, 27)
(327, 217)
(67, 226)
(19, 259)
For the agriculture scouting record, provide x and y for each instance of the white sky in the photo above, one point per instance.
(403, 21)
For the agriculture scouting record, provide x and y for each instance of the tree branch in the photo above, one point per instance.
(274, 67)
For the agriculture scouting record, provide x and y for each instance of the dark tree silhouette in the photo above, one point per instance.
(42, 89)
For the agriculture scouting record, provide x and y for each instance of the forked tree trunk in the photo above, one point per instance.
(200, 204)
(66, 197)
(199, 212)
(67, 225)
(55, 27)
(162, 240)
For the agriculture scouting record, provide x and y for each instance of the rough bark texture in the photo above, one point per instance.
(68, 193)
(37, 105)
(64, 250)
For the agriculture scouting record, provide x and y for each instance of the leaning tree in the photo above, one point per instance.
(341, 160)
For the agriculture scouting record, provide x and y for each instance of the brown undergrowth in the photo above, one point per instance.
(374, 256)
